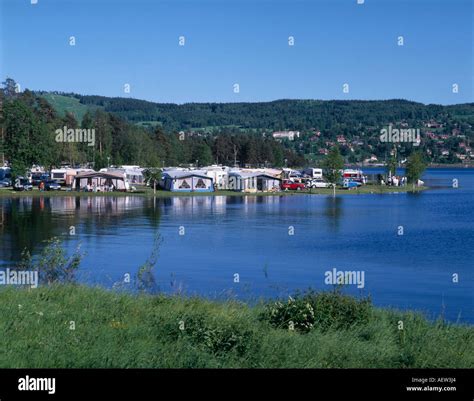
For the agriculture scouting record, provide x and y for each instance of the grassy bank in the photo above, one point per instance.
(123, 330)
(147, 192)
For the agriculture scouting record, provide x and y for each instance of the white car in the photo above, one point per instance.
(318, 183)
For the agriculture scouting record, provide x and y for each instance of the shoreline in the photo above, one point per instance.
(148, 193)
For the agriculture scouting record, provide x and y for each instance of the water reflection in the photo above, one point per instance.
(333, 210)
(26, 222)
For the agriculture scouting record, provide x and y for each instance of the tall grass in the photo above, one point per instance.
(67, 325)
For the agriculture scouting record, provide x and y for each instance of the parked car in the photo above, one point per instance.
(6, 182)
(37, 178)
(318, 183)
(349, 183)
(22, 184)
(52, 185)
(294, 186)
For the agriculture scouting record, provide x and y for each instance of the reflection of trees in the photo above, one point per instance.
(333, 211)
(27, 222)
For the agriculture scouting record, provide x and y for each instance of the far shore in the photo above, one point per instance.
(148, 192)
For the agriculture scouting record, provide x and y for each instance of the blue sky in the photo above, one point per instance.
(241, 41)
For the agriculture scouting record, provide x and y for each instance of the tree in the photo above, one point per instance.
(392, 166)
(154, 176)
(332, 165)
(415, 167)
(10, 88)
(203, 153)
(28, 140)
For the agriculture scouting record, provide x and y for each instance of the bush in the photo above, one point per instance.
(323, 311)
(296, 314)
(53, 264)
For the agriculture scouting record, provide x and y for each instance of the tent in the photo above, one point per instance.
(187, 181)
(101, 181)
(253, 182)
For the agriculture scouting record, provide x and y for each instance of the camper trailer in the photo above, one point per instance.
(59, 175)
(354, 175)
(313, 172)
(133, 174)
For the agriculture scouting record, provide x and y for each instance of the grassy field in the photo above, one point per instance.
(368, 189)
(82, 327)
(63, 104)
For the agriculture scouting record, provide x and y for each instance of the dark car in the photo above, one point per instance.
(37, 178)
(6, 182)
(51, 185)
(22, 184)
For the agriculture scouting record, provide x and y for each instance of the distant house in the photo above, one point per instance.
(341, 139)
(433, 124)
(187, 181)
(253, 181)
(290, 135)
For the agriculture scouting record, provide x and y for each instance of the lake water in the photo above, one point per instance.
(249, 236)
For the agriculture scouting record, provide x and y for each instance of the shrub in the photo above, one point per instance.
(215, 336)
(323, 311)
(53, 264)
(296, 313)
(339, 311)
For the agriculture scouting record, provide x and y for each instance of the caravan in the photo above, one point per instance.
(316, 173)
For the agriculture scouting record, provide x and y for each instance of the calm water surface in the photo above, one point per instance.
(250, 236)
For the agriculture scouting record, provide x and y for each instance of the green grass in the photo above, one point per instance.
(63, 104)
(142, 191)
(123, 330)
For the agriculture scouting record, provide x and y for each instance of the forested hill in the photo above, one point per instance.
(339, 115)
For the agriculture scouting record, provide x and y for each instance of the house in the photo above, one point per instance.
(341, 139)
(244, 181)
(187, 181)
(290, 135)
(433, 124)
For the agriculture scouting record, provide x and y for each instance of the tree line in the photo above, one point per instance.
(29, 125)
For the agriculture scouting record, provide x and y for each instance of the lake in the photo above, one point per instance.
(271, 245)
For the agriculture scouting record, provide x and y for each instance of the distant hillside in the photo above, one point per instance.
(63, 104)
(338, 115)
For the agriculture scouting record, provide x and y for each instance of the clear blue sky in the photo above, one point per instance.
(244, 42)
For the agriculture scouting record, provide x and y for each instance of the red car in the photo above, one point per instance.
(294, 186)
